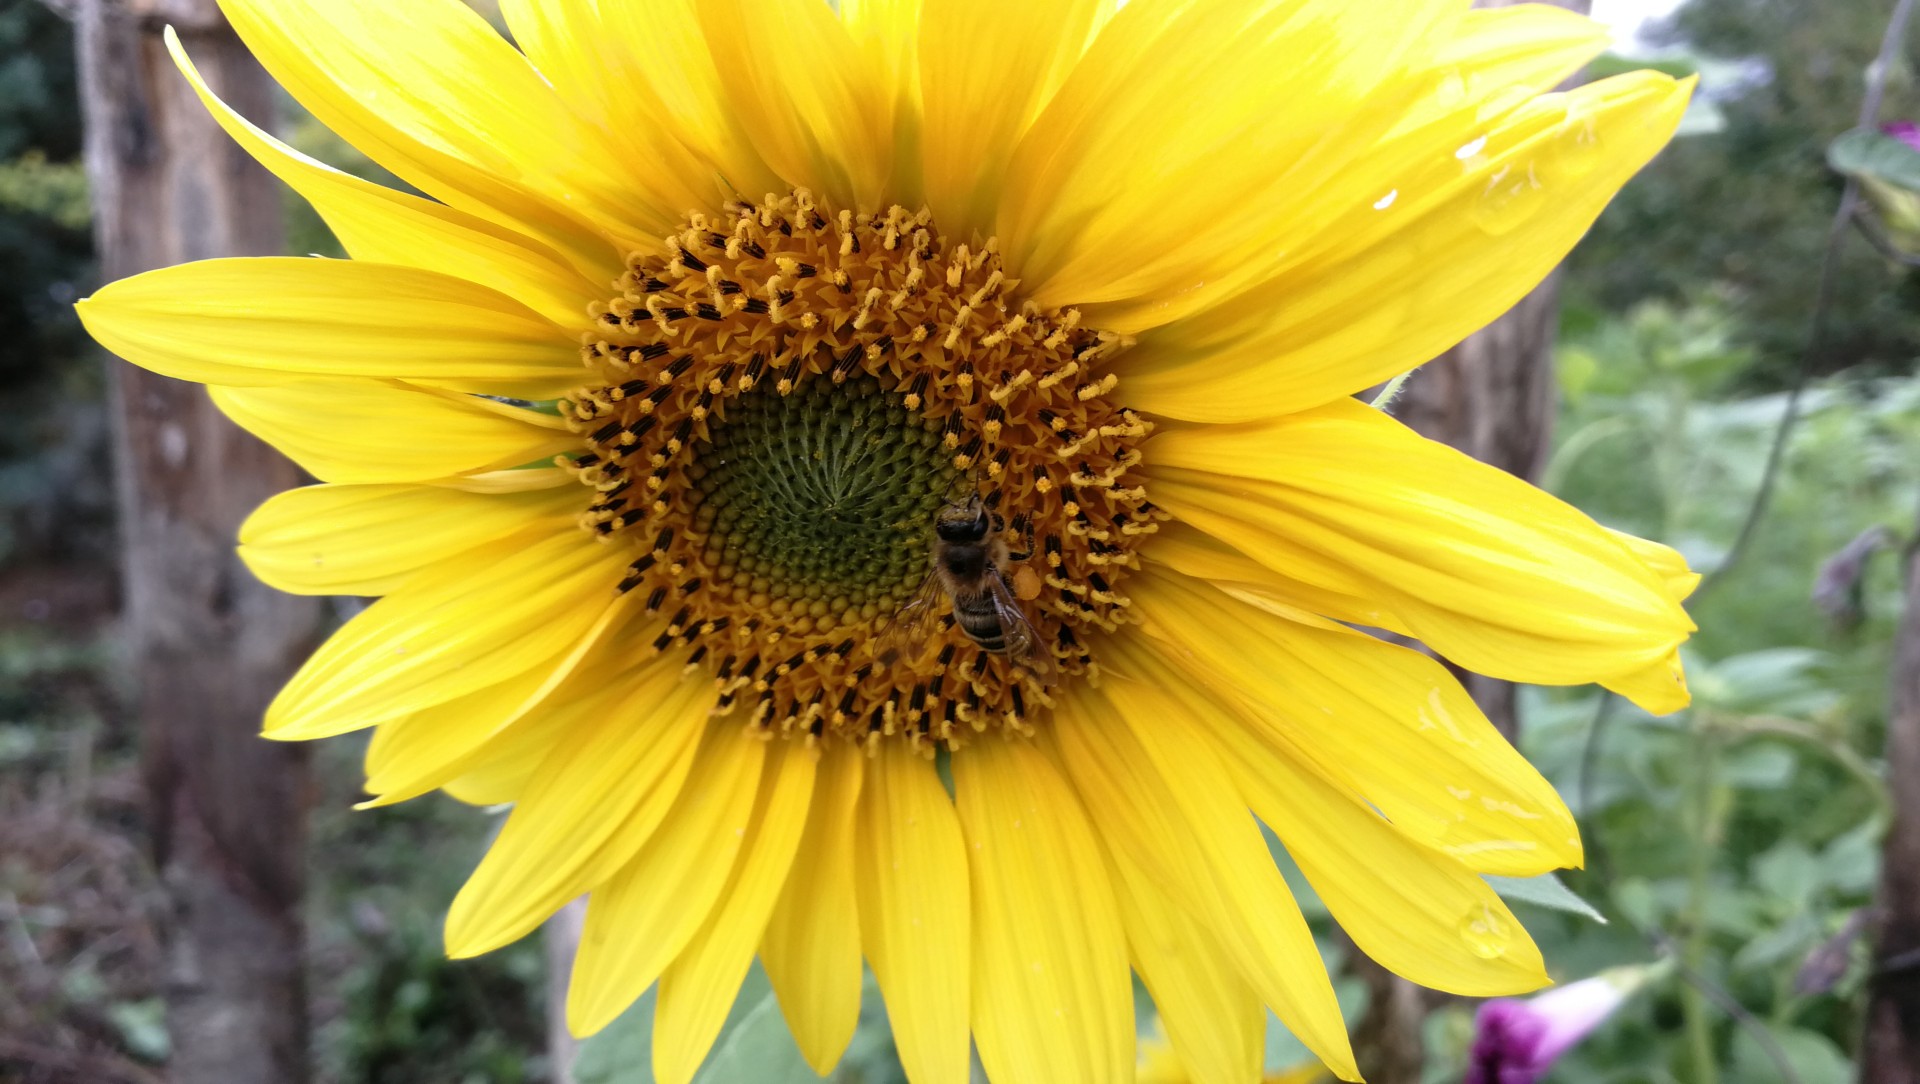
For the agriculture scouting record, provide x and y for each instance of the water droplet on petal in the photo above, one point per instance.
(1577, 141)
(1512, 195)
(1469, 150)
(1386, 201)
(1486, 932)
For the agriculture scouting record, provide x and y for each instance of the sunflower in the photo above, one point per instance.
(883, 484)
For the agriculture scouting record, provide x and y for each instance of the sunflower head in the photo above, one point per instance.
(785, 400)
(764, 397)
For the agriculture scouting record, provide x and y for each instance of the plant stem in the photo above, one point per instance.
(1385, 399)
(1693, 950)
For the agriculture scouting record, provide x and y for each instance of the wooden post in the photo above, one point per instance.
(1890, 1053)
(1493, 398)
(207, 644)
(562, 937)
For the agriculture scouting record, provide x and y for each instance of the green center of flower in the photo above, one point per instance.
(821, 499)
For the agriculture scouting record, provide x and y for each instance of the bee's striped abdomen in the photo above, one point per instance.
(980, 621)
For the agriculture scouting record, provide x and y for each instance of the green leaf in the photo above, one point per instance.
(1772, 681)
(1284, 1052)
(1865, 152)
(754, 1045)
(1635, 898)
(622, 1053)
(1851, 863)
(1789, 872)
(1813, 1057)
(1758, 767)
(757, 1048)
(1789, 941)
(1546, 890)
(142, 1026)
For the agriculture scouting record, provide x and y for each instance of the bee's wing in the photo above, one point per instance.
(907, 631)
(1018, 633)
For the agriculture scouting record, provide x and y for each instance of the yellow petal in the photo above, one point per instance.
(1213, 1018)
(476, 619)
(1221, 179)
(1192, 551)
(447, 742)
(1665, 561)
(815, 113)
(1165, 802)
(499, 772)
(1485, 569)
(491, 781)
(512, 480)
(1419, 913)
(1478, 70)
(1416, 911)
(633, 69)
(1386, 721)
(1496, 52)
(440, 745)
(368, 539)
(1660, 689)
(1052, 1000)
(1408, 270)
(988, 68)
(812, 946)
(571, 45)
(270, 320)
(380, 225)
(699, 986)
(431, 91)
(911, 878)
(641, 919)
(591, 805)
(886, 34)
(371, 431)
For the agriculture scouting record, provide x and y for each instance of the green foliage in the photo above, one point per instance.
(410, 1014)
(392, 1009)
(44, 246)
(1746, 208)
(1863, 152)
(754, 1045)
(1888, 170)
(56, 192)
(1742, 834)
(51, 468)
(1548, 891)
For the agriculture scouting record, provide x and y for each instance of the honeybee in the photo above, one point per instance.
(970, 570)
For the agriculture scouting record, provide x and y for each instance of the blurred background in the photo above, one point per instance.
(1736, 849)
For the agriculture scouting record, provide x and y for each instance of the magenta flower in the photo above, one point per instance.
(1905, 131)
(1517, 1041)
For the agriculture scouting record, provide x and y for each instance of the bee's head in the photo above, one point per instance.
(962, 522)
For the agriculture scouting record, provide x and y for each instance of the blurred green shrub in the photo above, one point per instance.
(1741, 835)
(1746, 207)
